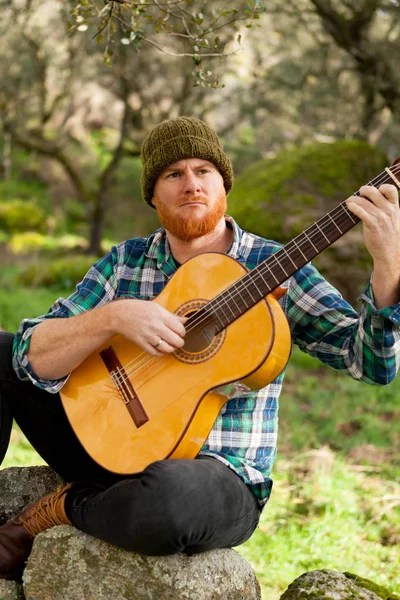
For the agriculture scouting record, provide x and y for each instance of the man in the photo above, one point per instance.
(214, 500)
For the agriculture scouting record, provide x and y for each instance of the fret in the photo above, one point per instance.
(335, 224)
(227, 304)
(320, 229)
(272, 273)
(299, 249)
(221, 322)
(263, 282)
(256, 286)
(249, 291)
(350, 215)
(232, 296)
(308, 239)
(253, 295)
(283, 270)
(291, 260)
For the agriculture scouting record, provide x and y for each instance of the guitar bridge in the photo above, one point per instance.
(124, 386)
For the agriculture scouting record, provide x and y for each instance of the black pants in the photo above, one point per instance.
(173, 506)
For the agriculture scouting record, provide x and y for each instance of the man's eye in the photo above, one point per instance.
(172, 175)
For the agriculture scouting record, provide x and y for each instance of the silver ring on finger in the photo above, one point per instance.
(160, 341)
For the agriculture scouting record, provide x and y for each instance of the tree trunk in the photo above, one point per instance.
(352, 34)
(97, 221)
(6, 162)
(107, 177)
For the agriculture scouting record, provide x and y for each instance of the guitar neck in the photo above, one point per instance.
(230, 304)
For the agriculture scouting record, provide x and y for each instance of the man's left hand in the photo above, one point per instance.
(379, 211)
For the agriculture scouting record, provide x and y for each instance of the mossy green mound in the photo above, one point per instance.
(332, 585)
(279, 198)
(381, 591)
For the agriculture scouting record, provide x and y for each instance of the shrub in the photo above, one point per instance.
(31, 241)
(24, 189)
(21, 215)
(74, 215)
(60, 273)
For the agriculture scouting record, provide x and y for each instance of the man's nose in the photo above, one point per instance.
(191, 183)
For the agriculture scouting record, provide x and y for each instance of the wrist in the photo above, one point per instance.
(115, 316)
(385, 288)
(111, 319)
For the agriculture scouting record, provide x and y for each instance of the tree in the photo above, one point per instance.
(194, 24)
(52, 70)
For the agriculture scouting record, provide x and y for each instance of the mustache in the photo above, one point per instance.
(193, 199)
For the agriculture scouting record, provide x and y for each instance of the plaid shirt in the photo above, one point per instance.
(364, 345)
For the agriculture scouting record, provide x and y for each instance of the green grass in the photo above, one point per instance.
(20, 453)
(326, 514)
(336, 498)
(21, 303)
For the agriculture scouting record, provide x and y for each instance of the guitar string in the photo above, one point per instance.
(139, 363)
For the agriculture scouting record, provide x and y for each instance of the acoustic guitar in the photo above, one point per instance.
(129, 408)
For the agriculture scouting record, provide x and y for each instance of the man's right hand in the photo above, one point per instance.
(59, 345)
(149, 325)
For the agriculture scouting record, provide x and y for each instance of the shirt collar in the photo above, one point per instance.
(158, 247)
(236, 248)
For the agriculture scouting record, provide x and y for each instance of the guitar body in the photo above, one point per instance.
(177, 392)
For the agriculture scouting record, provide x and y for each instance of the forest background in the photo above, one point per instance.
(305, 95)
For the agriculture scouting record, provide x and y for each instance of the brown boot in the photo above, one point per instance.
(17, 535)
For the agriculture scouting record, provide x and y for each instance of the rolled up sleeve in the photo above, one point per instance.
(97, 288)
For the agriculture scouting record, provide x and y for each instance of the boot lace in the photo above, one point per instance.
(47, 512)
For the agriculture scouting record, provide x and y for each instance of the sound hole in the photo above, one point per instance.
(201, 340)
(201, 333)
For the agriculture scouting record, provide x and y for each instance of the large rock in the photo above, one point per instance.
(66, 563)
(331, 585)
(10, 590)
(19, 486)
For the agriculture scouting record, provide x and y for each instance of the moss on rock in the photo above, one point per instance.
(331, 585)
(379, 590)
(278, 198)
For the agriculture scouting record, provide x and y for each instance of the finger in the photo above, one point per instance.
(376, 196)
(390, 192)
(175, 323)
(163, 347)
(152, 350)
(358, 205)
(170, 337)
(361, 210)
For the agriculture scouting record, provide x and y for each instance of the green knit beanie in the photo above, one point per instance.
(176, 139)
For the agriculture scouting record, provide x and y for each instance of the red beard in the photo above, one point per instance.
(190, 227)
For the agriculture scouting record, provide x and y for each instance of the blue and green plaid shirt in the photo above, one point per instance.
(365, 345)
